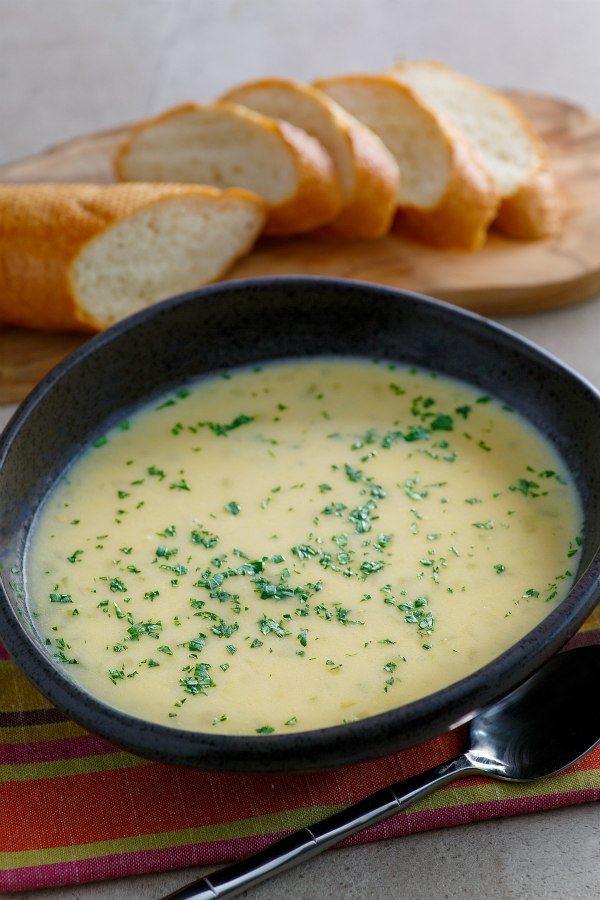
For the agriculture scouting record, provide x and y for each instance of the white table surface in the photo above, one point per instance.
(71, 66)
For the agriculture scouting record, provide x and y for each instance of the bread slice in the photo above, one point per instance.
(445, 193)
(531, 204)
(367, 171)
(78, 257)
(226, 145)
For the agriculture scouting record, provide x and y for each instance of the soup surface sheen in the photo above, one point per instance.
(300, 545)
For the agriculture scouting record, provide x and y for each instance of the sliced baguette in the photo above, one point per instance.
(531, 204)
(78, 257)
(446, 195)
(367, 171)
(226, 145)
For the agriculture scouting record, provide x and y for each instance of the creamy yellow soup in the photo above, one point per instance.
(300, 544)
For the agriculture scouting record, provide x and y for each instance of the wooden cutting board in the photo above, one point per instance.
(504, 277)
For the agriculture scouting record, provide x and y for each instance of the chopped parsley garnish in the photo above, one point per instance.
(180, 485)
(199, 681)
(137, 629)
(525, 487)
(304, 551)
(197, 644)
(342, 616)
(442, 423)
(362, 517)
(117, 586)
(270, 626)
(574, 546)
(222, 430)
(60, 598)
(223, 629)
(67, 660)
(205, 538)
(368, 566)
(352, 473)
(165, 553)
(416, 613)
(334, 509)
(410, 489)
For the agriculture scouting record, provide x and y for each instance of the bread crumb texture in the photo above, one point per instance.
(227, 145)
(79, 257)
(367, 171)
(531, 204)
(446, 194)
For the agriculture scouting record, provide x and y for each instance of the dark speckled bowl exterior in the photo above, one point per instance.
(242, 322)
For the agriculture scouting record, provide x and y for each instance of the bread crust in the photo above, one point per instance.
(368, 208)
(461, 217)
(370, 211)
(460, 221)
(318, 197)
(44, 228)
(536, 208)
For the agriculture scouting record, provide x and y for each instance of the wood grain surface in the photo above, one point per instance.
(506, 276)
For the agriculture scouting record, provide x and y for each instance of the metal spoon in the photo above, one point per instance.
(536, 730)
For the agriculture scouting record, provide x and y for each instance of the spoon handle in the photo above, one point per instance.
(302, 845)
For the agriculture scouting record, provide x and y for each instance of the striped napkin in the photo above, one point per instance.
(75, 808)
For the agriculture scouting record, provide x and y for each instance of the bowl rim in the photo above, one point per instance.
(317, 748)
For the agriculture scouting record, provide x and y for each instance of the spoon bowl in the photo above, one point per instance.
(542, 726)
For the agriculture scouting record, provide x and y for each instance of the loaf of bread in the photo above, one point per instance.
(78, 257)
(227, 145)
(446, 195)
(444, 154)
(367, 171)
(531, 204)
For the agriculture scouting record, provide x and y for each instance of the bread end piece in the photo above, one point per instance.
(536, 210)
(531, 202)
(79, 257)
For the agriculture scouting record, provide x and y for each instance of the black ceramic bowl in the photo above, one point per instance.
(242, 322)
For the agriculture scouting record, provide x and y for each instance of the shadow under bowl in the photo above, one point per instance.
(244, 322)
